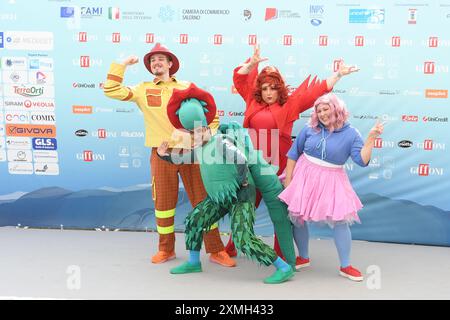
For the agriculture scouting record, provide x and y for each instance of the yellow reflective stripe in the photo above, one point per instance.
(165, 214)
(214, 226)
(165, 230)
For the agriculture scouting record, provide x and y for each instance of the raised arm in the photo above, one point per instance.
(113, 87)
(244, 76)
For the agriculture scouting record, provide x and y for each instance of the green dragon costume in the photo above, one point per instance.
(230, 168)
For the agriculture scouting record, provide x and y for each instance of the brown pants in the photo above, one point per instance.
(165, 183)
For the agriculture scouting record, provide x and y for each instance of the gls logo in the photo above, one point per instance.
(44, 144)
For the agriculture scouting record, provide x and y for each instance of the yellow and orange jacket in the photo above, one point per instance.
(152, 98)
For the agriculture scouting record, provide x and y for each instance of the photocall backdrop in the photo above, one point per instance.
(70, 157)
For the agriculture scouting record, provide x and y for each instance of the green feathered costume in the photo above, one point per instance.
(231, 169)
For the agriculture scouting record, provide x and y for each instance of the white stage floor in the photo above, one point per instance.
(41, 264)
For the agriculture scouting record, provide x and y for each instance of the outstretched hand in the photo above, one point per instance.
(256, 58)
(130, 60)
(377, 129)
(344, 70)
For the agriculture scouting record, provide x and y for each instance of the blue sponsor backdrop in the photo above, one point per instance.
(71, 156)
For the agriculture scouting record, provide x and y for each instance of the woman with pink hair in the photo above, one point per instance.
(317, 188)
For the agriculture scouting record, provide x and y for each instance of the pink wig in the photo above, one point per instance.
(339, 113)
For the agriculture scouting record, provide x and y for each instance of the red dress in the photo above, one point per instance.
(261, 117)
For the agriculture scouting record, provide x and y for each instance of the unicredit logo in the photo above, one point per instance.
(83, 85)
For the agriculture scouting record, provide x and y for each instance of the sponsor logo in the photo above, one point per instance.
(316, 14)
(91, 12)
(435, 119)
(218, 39)
(412, 16)
(45, 156)
(90, 156)
(405, 144)
(274, 13)
(17, 117)
(29, 40)
(41, 64)
(287, 40)
(166, 13)
(247, 14)
(20, 168)
(115, 37)
(410, 118)
(18, 143)
(83, 85)
(43, 118)
(372, 16)
(184, 38)
(44, 144)
(252, 39)
(236, 114)
(46, 169)
(436, 94)
(14, 63)
(1, 40)
(359, 41)
(30, 130)
(132, 134)
(323, 41)
(425, 170)
(101, 133)
(396, 41)
(196, 14)
(81, 133)
(36, 105)
(149, 38)
(82, 37)
(428, 67)
(433, 42)
(29, 92)
(430, 145)
(82, 109)
(84, 62)
(19, 155)
(67, 12)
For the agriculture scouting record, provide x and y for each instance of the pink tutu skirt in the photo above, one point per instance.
(320, 193)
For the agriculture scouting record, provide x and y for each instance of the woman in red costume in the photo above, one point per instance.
(270, 112)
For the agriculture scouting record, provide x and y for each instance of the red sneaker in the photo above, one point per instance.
(301, 263)
(351, 273)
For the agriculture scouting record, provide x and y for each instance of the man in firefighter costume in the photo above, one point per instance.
(151, 97)
(230, 169)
